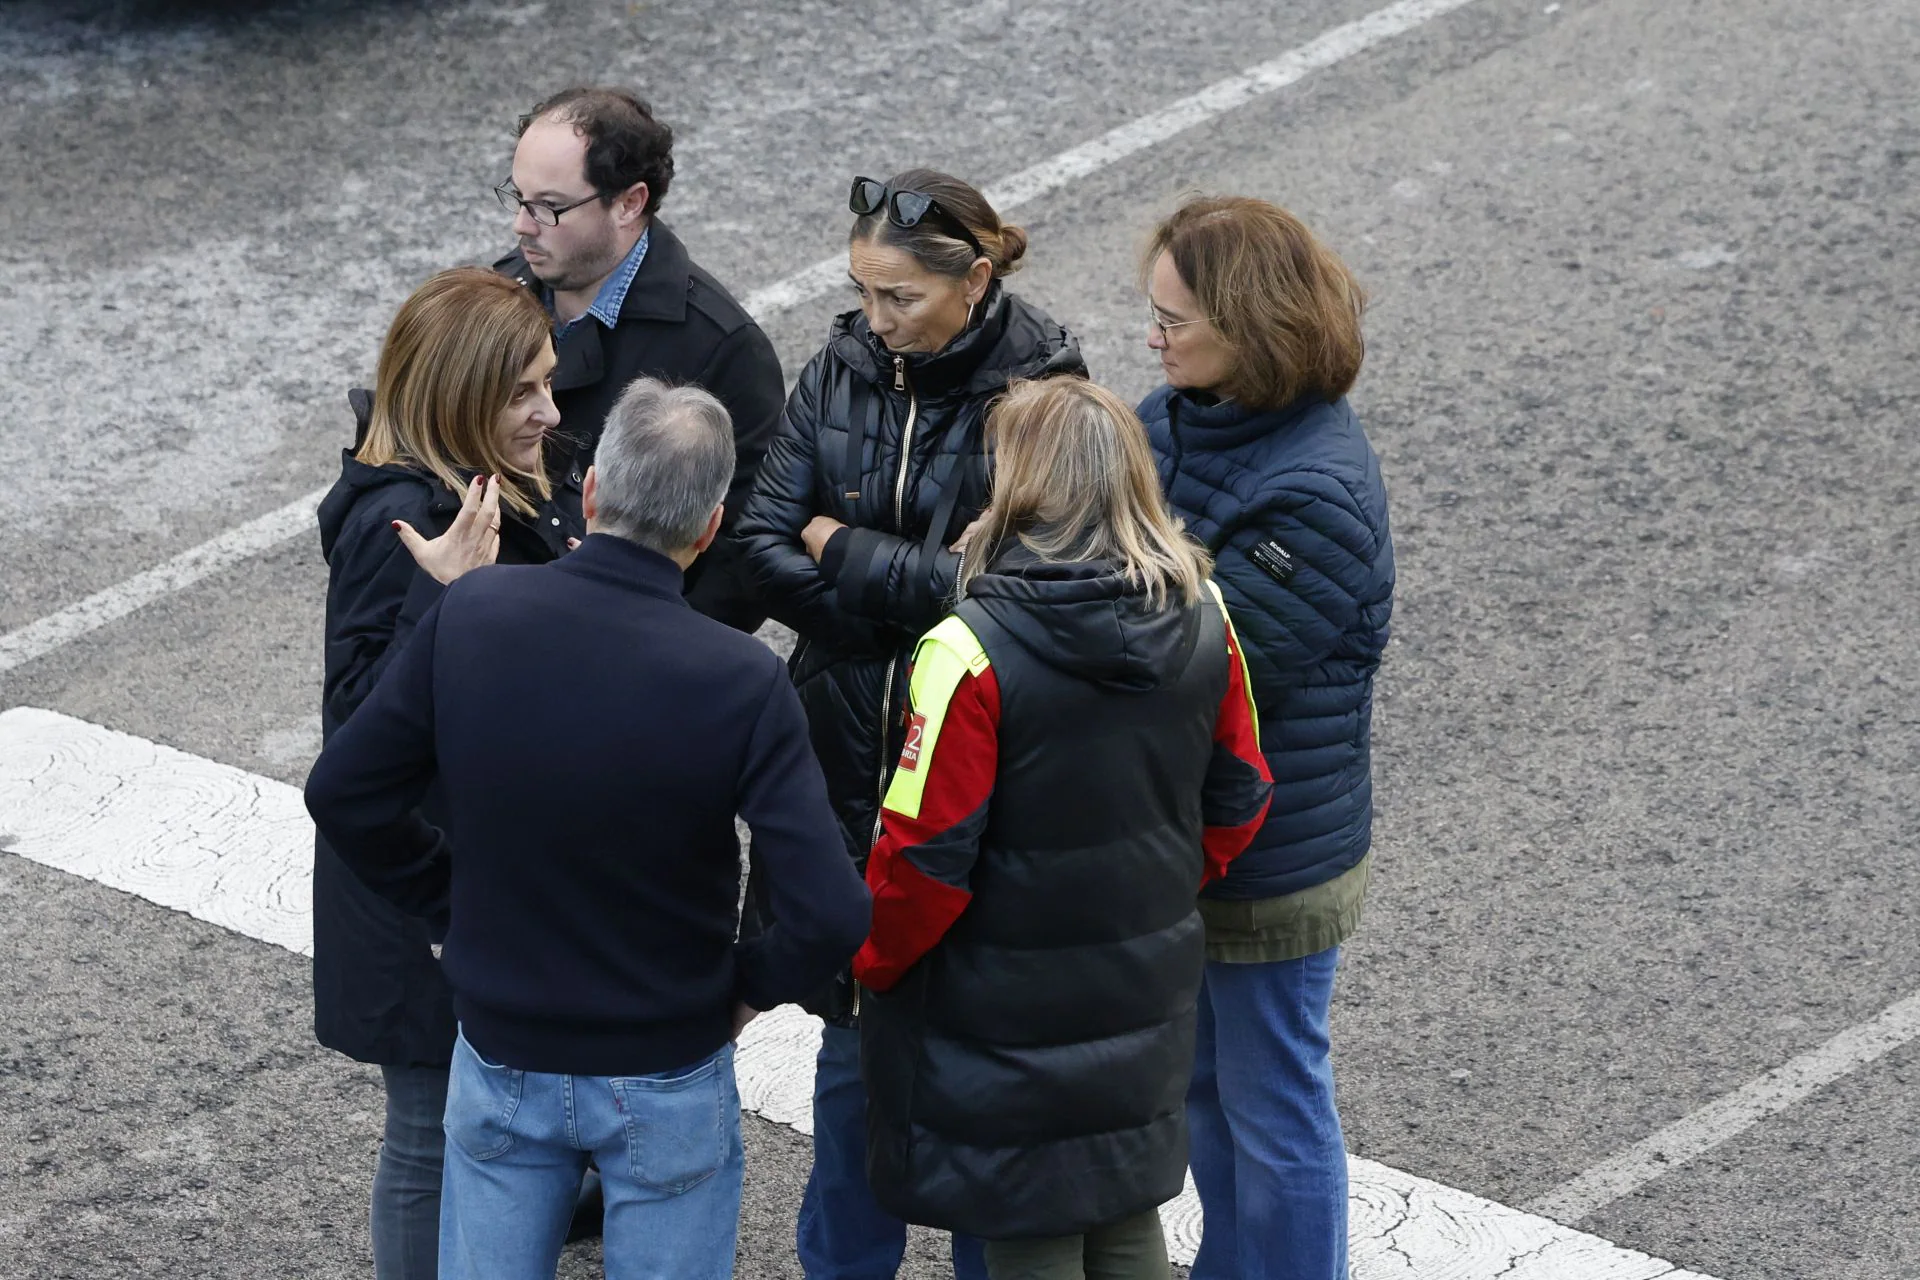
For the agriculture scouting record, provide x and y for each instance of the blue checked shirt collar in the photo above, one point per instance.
(613, 294)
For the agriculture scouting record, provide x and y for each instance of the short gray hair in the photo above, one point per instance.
(664, 461)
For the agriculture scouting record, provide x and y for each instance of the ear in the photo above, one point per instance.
(705, 540)
(631, 205)
(590, 495)
(979, 277)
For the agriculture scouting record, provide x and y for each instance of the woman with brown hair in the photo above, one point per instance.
(1081, 756)
(852, 536)
(449, 473)
(1257, 325)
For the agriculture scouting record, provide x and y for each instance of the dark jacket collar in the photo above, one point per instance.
(358, 478)
(1205, 423)
(659, 288)
(658, 292)
(1011, 338)
(606, 558)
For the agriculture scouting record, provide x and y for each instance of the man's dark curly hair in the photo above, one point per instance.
(625, 144)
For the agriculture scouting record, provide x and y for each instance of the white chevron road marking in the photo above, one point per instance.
(236, 849)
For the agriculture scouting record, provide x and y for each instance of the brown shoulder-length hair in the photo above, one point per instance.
(1285, 303)
(447, 369)
(1073, 479)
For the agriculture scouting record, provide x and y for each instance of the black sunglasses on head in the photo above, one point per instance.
(906, 208)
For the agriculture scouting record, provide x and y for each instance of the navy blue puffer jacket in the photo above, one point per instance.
(1291, 503)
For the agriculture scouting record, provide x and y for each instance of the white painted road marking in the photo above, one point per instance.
(236, 849)
(1325, 50)
(37, 639)
(1732, 1114)
(1135, 136)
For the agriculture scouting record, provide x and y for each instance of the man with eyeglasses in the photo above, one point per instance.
(589, 173)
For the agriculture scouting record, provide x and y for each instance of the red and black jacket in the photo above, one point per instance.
(1077, 764)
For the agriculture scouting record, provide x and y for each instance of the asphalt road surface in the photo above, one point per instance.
(1642, 368)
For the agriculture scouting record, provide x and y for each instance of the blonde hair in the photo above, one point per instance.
(1285, 303)
(1074, 480)
(448, 367)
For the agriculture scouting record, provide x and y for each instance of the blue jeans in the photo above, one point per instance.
(844, 1234)
(667, 1146)
(406, 1184)
(1268, 1159)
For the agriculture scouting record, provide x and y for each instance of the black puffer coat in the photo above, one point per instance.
(377, 990)
(1027, 1077)
(890, 577)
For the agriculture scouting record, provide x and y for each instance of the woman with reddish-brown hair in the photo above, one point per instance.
(449, 472)
(1257, 326)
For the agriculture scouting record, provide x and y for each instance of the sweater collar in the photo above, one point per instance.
(606, 558)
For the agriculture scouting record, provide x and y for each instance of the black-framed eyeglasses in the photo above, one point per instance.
(547, 215)
(906, 208)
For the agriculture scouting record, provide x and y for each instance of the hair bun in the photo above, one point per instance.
(1013, 247)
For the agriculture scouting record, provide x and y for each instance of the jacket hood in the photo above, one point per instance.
(357, 479)
(1087, 620)
(1011, 339)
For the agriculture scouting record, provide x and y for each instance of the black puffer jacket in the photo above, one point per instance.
(890, 576)
(1027, 1077)
(377, 991)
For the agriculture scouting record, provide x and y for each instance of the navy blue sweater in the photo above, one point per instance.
(594, 739)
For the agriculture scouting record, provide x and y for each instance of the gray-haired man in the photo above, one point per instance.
(594, 739)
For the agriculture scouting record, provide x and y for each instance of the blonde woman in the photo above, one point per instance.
(1081, 756)
(449, 473)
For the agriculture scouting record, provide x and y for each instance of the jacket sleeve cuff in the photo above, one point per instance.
(861, 583)
(835, 554)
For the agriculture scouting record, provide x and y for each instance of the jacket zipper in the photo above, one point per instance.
(886, 693)
(899, 525)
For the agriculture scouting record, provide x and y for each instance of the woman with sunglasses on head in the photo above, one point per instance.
(854, 537)
(1257, 326)
(1082, 757)
(448, 473)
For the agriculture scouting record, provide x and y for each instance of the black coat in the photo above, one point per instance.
(378, 994)
(890, 577)
(680, 324)
(1027, 1076)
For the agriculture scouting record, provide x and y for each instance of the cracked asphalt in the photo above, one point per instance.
(1642, 371)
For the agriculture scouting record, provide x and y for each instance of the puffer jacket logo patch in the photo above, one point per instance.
(1273, 560)
(910, 754)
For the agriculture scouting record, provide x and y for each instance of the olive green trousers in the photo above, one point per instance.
(1130, 1249)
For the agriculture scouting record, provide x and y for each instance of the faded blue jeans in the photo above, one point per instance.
(1268, 1159)
(667, 1146)
(844, 1234)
